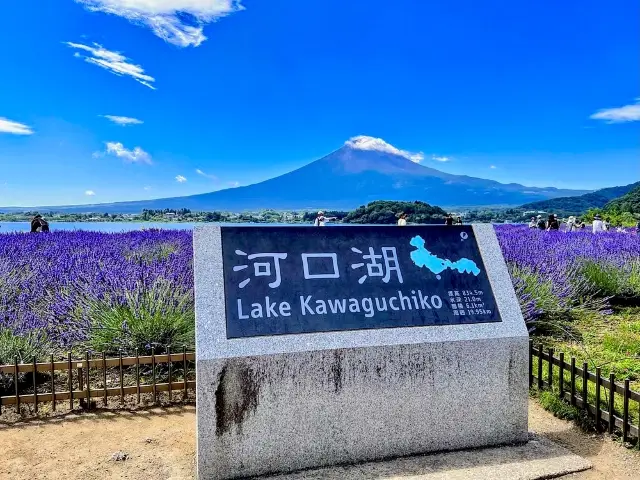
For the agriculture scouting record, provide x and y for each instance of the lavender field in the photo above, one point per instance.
(110, 292)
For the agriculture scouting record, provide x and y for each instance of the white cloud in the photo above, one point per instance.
(147, 188)
(179, 22)
(89, 193)
(181, 179)
(234, 184)
(440, 158)
(493, 167)
(113, 62)
(9, 126)
(363, 142)
(137, 155)
(207, 175)
(124, 121)
(627, 113)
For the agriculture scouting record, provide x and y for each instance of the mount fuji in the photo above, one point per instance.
(364, 169)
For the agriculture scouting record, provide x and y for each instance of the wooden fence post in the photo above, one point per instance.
(70, 379)
(561, 377)
(598, 385)
(540, 384)
(530, 362)
(88, 397)
(550, 367)
(573, 381)
(35, 384)
(53, 384)
(105, 400)
(625, 413)
(15, 382)
(612, 393)
(585, 387)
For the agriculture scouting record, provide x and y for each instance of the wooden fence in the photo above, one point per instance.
(85, 380)
(606, 402)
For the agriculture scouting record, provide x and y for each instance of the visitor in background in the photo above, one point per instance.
(638, 228)
(533, 223)
(541, 223)
(607, 223)
(402, 221)
(598, 224)
(448, 220)
(552, 223)
(459, 220)
(39, 224)
(321, 220)
(571, 224)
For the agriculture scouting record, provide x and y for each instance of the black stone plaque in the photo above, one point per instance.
(285, 280)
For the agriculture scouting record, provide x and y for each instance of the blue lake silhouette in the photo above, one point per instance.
(422, 257)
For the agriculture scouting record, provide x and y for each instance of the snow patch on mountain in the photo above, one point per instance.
(363, 142)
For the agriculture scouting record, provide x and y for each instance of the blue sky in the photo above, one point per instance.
(221, 92)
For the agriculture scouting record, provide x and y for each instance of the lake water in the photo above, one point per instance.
(108, 227)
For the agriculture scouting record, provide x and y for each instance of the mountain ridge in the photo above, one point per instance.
(577, 205)
(364, 169)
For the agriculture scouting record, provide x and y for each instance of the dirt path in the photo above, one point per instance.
(160, 444)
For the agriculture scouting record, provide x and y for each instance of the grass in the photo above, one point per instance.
(610, 342)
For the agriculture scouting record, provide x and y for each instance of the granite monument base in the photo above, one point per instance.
(280, 403)
(280, 413)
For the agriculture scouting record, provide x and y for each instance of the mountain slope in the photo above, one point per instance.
(577, 205)
(629, 202)
(363, 170)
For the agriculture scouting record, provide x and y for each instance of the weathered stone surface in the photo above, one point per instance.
(279, 404)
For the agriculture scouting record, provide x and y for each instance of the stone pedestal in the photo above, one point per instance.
(289, 402)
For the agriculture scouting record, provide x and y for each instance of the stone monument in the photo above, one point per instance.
(325, 346)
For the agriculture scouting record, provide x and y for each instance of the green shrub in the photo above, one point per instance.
(611, 280)
(150, 317)
(24, 348)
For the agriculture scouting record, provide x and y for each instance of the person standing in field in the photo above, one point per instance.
(532, 223)
(571, 224)
(598, 225)
(321, 220)
(552, 223)
(402, 221)
(542, 225)
(39, 224)
(448, 220)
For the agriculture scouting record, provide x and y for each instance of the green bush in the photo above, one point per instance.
(153, 317)
(24, 348)
(613, 281)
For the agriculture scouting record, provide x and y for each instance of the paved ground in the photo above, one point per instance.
(160, 445)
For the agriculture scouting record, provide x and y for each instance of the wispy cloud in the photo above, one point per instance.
(137, 155)
(493, 167)
(438, 158)
(89, 193)
(364, 142)
(181, 179)
(206, 175)
(179, 22)
(627, 113)
(124, 121)
(233, 184)
(16, 128)
(113, 62)
(147, 188)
